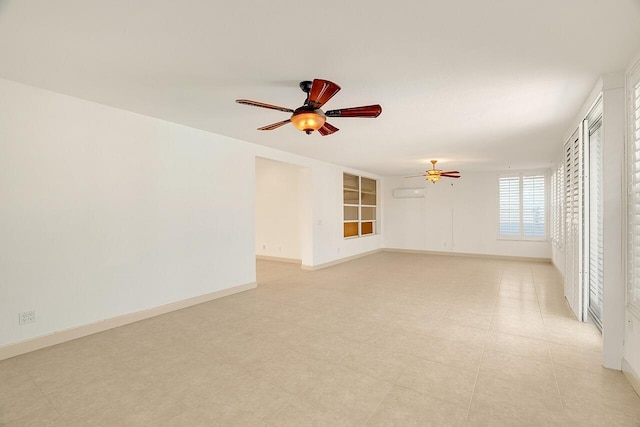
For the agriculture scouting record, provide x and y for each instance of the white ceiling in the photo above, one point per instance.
(480, 85)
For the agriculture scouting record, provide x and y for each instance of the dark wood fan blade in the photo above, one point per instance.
(450, 176)
(273, 126)
(263, 105)
(368, 111)
(415, 176)
(327, 129)
(449, 172)
(321, 91)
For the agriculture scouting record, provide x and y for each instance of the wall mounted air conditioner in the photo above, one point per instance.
(408, 193)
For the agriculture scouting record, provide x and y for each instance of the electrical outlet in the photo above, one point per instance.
(26, 317)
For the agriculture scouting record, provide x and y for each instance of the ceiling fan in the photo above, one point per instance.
(434, 174)
(309, 116)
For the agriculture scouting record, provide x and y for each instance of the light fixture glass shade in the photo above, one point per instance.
(308, 121)
(433, 178)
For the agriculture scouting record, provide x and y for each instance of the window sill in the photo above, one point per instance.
(518, 239)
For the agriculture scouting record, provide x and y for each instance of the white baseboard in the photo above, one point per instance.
(469, 255)
(279, 259)
(59, 337)
(632, 376)
(339, 261)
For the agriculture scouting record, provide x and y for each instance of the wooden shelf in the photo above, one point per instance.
(359, 206)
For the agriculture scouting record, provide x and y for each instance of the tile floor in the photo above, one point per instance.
(389, 339)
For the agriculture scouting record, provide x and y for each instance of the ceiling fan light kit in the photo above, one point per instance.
(308, 120)
(310, 117)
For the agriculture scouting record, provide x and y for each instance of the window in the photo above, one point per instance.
(359, 205)
(633, 196)
(522, 207)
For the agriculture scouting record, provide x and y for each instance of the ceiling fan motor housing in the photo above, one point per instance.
(306, 86)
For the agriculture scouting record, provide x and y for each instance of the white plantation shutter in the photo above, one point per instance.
(510, 206)
(555, 225)
(522, 207)
(560, 210)
(573, 223)
(533, 206)
(595, 225)
(633, 85)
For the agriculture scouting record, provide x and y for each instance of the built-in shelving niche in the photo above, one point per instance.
(359, 205)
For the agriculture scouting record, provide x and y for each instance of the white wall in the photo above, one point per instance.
(454, 216)
(104, 212)
(279, 210)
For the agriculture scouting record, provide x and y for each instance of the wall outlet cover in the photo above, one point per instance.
(26, 317)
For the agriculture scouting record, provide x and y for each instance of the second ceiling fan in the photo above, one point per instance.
(433, 175)
(309, 116)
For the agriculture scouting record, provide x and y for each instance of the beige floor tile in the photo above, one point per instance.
(20, 398)
(357, 327)
(598, 394)
(517, 305)
(558, 308)
(510, 396)
(206, 416)
(484, 306)
(467, 319)
(244, 350)
(378, 363)
(450, 383)
(278, 332)
(523, 346)
(516, 368)
(518, 287)
(597, 414)
(350, 393)
(518, 294)
(325, 347)
(292, 372)
(298, 412)
(524, 327)
(589, 339)
(9, 368)
(448, 352)
(149, 406)
(564, 322)
(576, 358)
(465, 334)
(45, 416)
(504, 415)
(407, 408)
(75, 400)
(246, 395)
